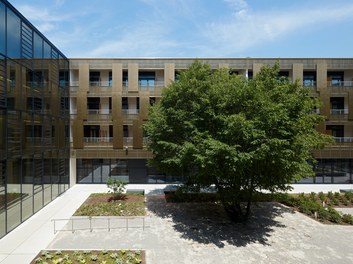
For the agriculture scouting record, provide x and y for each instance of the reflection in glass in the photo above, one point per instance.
(13, 35)
(2, 30)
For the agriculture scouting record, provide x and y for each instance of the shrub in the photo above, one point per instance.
(347, 218)
(117, 188)
(322, 196)
(334, 215)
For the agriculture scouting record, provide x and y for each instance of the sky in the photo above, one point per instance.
(195, 28)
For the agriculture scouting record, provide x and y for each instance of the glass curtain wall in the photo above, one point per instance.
(34, 151)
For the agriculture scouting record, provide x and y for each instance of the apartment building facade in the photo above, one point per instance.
(67, 121)
(110, 98)
(34, 120)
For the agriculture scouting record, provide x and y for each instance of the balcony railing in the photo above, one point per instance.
(339, 111)
(99, 111)
(101, 83)
(338, 83)
(146, 140)
(74, 83)
(128, 141)
(94, 140)
(343, 139)
(309, 83)
(150, 86)
(131, 111)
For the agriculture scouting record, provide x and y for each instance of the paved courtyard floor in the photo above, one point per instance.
(188, 233)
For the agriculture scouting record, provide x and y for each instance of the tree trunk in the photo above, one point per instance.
(235, 212)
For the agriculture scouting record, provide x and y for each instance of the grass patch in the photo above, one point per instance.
(102, 204)
(90, 256)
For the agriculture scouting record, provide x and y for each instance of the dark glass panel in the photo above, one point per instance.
(2, 32)
(14, 187)
(47, 50)
(38, 46)
(97, 170)
(13, 35)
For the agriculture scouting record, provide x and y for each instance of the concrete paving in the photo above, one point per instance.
(274, 235)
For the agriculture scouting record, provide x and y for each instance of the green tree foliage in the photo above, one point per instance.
(240, 135)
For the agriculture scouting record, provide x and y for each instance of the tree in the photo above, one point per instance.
(239, 135)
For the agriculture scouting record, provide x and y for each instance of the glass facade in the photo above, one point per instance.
(34, 156)
(128, 170)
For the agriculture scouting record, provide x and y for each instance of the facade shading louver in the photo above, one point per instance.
(110, 99)
(34, 120)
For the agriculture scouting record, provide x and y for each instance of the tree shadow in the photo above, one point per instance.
(208, 223)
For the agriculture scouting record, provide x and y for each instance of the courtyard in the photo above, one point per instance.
(187, 233)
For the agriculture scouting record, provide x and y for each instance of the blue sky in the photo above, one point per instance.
(194, 28)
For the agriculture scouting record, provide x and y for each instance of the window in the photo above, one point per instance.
(94, 78)
(335, 78)
(147, 78)
(125, 78)
(125, 104)
(309, 78)
(336, 131)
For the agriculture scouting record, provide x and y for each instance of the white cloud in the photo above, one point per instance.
(144, 41)
(246, 29)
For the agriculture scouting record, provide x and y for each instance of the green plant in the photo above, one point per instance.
(39, 260)
(117, 187)
(114, 255)
(58, 252)
(322, 196)
(347, 218)
(80, 258)
(94, 257)
(312, 196)
(334, 215)
(119, 261)
(330, 195)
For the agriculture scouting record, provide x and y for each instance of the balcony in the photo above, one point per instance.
(99, 115)
(338, 114)
(98, 141)
(343, 139)
(128, 141)
(337, 85)
(339, 111)
(100, 83)
(100, 91)
(131, 113)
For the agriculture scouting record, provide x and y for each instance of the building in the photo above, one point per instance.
(109, 100)
(67, 121)
(34, 120)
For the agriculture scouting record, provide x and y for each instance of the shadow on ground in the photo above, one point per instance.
(208, 223)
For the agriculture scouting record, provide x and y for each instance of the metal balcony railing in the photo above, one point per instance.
(339, 111)
(101, 83)
(128, 141)
(309, 83)
(131, 111)
(95, 140)
(338, 83)
(343, 139)
(74, 83)
(99, 111)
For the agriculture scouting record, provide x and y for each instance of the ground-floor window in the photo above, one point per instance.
(327, 171)
(131, 171)
(332, 171)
